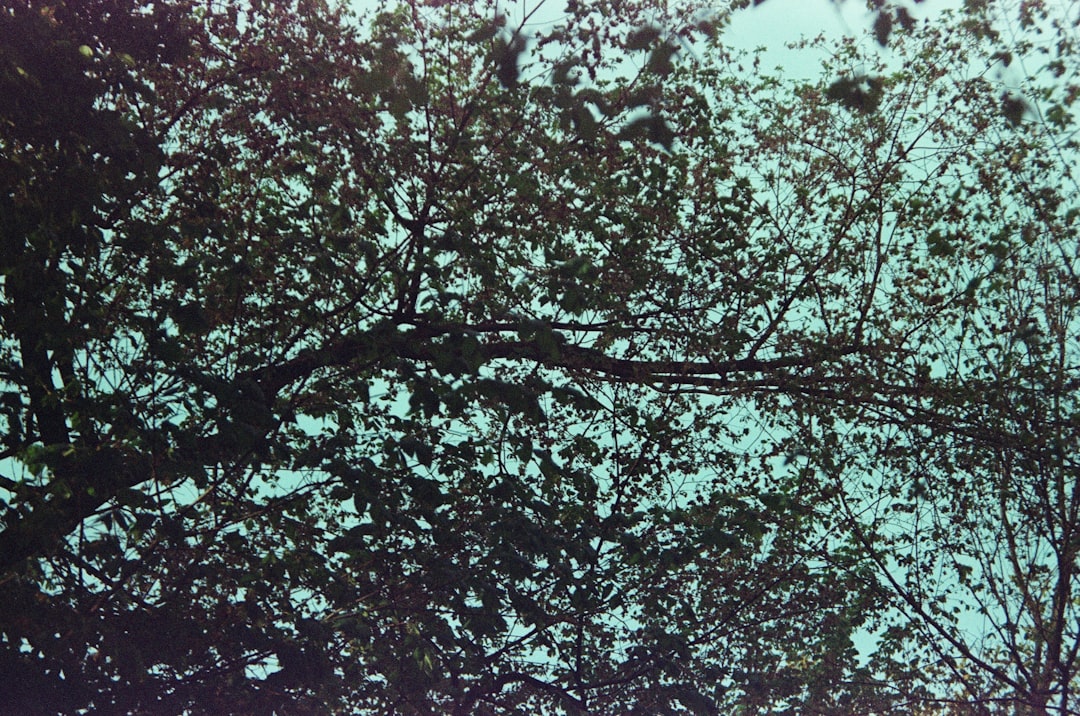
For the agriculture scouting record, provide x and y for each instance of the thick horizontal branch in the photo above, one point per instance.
(555, 352)
(91, 486)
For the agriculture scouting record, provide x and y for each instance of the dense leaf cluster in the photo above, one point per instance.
(462, 359)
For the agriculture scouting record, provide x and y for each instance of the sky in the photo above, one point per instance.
(775, 24)
(771, 25)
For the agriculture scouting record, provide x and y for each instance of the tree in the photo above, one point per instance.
(437, 363)
(950, 472)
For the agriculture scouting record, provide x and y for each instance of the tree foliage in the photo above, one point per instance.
(459, 358)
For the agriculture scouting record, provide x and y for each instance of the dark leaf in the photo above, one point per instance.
(883, 26)
(506, 60)
(1013, 108)
(641, 38)
(862, 94)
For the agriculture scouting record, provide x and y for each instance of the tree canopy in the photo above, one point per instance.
(475, 358)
